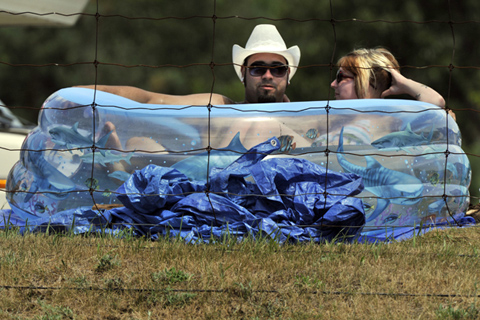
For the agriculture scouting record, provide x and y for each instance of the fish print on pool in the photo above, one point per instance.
(59, 170)
(389, 186)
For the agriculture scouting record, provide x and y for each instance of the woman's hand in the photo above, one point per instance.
(417, 90)
(399, 84)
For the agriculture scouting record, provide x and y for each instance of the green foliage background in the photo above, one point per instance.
(426, 36)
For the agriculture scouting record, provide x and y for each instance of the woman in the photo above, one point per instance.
(373, 73)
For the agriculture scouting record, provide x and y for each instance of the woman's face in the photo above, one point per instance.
(344, 85)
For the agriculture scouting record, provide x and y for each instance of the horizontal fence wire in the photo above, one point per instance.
(96, 63)
(250, 291)
(334, 22)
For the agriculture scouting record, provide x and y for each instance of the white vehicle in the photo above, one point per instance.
(22, 14)
(12, 135)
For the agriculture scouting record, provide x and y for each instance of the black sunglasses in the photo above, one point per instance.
(341, 76)
(258, 70)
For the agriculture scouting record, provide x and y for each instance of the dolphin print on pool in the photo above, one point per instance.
(48, 179)
(414, 172)
(107, 157)
(389, 185)
(120, 175)
(71, 138)
(195, 167)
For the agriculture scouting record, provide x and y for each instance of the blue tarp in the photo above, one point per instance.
(404, 233)
(287, 199)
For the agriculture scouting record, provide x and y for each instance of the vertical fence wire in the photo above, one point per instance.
(213, 64)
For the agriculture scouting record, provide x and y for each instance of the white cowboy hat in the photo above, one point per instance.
(265, 38)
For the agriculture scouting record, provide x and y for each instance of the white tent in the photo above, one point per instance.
(40, 12)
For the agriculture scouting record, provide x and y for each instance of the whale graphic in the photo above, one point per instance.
(390, 185)
(195, 167)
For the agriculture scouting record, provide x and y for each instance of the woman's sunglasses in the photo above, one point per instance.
(258, 70)
(341, 76)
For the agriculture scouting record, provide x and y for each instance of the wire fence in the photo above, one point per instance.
(121, 290)
(97, 65)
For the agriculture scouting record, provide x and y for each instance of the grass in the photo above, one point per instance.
(64, 276)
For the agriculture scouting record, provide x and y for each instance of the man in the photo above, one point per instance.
(265, 66)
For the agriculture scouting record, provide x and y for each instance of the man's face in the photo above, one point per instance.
(266, 84)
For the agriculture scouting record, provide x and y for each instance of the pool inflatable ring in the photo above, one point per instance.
(88, 143)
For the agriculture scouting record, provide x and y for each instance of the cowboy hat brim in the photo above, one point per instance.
(239, 55)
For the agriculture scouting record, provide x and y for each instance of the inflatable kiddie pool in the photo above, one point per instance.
(88, 143)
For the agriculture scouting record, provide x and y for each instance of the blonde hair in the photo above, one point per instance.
(371, 67)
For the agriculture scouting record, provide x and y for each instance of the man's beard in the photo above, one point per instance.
(266, 98)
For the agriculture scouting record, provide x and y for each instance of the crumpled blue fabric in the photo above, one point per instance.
(284, 198)
(274, 198)
(391, 234)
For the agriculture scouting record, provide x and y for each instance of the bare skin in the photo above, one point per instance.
(144, 96)
(254, 88)
(266, 86)
(400, 85)
(421, 92)
(345, 89)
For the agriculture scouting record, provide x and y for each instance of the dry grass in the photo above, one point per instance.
(435, 276)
